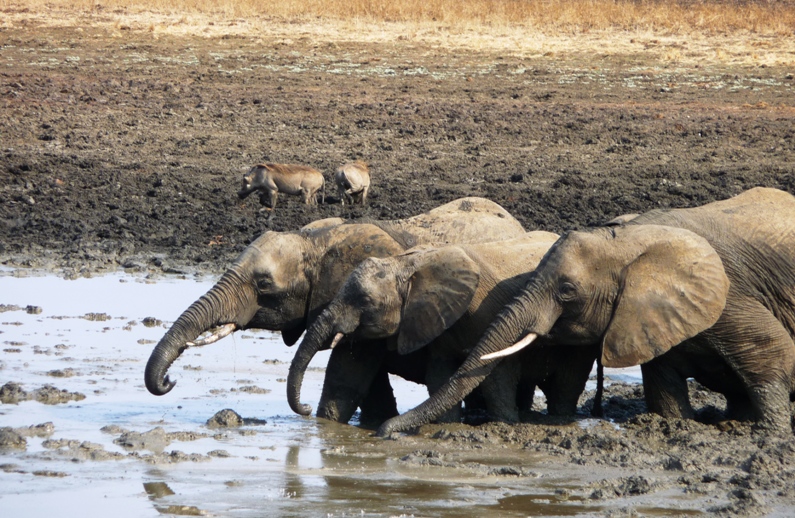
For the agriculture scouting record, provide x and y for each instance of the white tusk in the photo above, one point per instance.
(518, 346)
(220, 332)
(336, 340)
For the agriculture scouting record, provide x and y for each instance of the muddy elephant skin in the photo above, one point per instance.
(441, 300)
(283, 280)
(705, 293)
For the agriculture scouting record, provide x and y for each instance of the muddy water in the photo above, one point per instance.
(115, 449)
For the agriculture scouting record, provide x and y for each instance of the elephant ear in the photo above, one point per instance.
(439, 293)
(290, 336)
(342, 248)
(675, 289)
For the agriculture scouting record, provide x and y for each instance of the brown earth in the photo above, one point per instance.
(124, 147)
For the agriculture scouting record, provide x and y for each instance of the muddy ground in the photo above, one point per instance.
(122, 150)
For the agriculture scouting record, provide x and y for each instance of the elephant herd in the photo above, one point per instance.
(444, 297)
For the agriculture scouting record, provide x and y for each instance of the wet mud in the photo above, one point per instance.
(121, 151)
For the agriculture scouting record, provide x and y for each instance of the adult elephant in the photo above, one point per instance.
(284, 279)
(441, 299)
(706, 292)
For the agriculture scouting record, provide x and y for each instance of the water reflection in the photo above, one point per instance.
(287, 465)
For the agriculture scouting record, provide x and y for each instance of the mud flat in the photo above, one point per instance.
(225, 442)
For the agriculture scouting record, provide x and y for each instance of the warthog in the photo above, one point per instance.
(271, 179)
(353, 182)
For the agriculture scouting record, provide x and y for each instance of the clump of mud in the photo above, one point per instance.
(707, 455)
(81, 450)
(155, 440)
(97, 317)
(62, 373)
(31, 310)
(13, 393)
(11, 440)
(228, 418)
(152, 322)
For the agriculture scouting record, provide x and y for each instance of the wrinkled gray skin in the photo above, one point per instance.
(353, 182)
(271, 179)
(707, 293)
(443, 299)
(283, 280)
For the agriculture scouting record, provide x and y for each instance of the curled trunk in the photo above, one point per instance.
(221, 305)
(316, 336)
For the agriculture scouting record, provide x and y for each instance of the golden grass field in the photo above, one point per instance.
(734, 32)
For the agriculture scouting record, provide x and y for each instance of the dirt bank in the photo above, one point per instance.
(125, 147)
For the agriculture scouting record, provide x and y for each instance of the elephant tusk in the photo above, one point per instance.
(518, 346)
(336, 340)
(220, 332)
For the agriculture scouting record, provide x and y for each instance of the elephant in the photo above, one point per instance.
(283, 280)
(353, 182)
(271, 179)
(705, 293)
(441, 299)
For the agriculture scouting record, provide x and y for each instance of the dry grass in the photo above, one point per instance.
(774, 17)
(681, 32)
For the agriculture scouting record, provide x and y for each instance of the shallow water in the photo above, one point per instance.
(93, 331)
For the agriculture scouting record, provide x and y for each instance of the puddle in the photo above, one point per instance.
(121, 451)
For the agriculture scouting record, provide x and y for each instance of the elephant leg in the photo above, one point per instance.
(350, 373)
(665, 390)
(500, 392)
(379, 403)
(570, 368)
(762, 353)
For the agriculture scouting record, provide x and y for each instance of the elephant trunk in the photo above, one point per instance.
(510, 326)
(316, 336)
(220, 305)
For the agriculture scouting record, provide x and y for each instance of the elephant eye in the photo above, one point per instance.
(264, 283)
(568, 291)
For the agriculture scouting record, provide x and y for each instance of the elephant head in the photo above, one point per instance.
(638, 290)
(282, 281)
(279, 282)
(413, 297)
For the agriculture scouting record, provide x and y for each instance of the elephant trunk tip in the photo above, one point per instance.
(303, 409)
(386, 428)
(160, 388)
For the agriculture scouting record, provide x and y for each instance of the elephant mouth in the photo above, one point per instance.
(215, 335)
